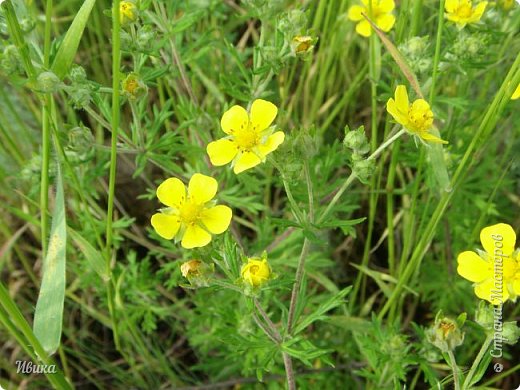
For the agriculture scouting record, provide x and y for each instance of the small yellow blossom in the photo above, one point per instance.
(190, 267)
(127, 12)
(133, 86)
(302, 44)
(496, 273)
(256, 271)
(192, 218)
(250, 138)
(463, 12)
(516, 94)
(417, 117)
(380, 13)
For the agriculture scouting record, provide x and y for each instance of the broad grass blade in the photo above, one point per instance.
(69, 45)
(48, 316)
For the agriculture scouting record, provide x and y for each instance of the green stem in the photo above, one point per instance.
(352, 176)
(455, 370)
(476, 362)
(436, 58)
(116, 64)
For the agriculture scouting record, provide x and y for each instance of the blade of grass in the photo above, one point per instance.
(48, 316)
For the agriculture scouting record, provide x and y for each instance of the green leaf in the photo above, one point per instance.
(319, 313)
(48, 316)
(69, 45)
(92, 255)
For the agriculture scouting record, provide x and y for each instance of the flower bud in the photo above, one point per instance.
(10, 61)
(81, 140)
(445, 333)
(134, 87)
(78, 74)
(356, 140)
(48, 82)
(303, 45)
(362, 168)
(256, 271)
(510, 332)
(128, 12)
(196, 272)
(506, 5)
(484, 316)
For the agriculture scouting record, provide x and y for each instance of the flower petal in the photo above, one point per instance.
(516, 94)
(500, 237)
(363, 28)
(391, 107)
(473, 268)
(202, 188)
(386, 6)
(385, 22)
(478, 11)
(355, 12)
(488, 291)
(217, 219)
(432, 138)
(516, 286)
(451, 5)
(195, 237)
(272, 143)
(246, 161)
(172, 192)
(222, 151)
(262, 114)
(166, 225)
(234, 119)
(401, 99)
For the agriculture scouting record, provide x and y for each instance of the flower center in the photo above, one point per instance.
(254, 269)
(464, 10)
(420, 118)
(247, 137)
(190, 212)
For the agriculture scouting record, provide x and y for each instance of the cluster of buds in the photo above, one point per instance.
(487, 315)
(416, 52)
(356, 141)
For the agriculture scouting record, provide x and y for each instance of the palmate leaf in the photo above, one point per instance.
(48, 316)
(69, 45)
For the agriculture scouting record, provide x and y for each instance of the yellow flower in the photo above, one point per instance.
(380, 14)
(192, 218)
(417, 117)
(127, 12)
(463, 12)
(496, 273)
(250, 137)
(190, 267)
(256, 271)
(516, 94)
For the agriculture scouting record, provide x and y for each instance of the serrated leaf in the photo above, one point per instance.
(48, 316)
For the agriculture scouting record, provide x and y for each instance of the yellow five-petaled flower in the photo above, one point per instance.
(417, 117)
(380, 12)
(496, 273)
(191, 217)
(463, 12)
(250, 138)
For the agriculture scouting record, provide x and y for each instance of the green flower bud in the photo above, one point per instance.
(128, 12)
(197, 272)
(145, 38)
(78, 74)
(356, 140)
(445, 333)
(510, 332)
(10, 60)
(48, 82)
(362, 168)
(292, 23)
(484, 315)
(80, 140)
(134, 87)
